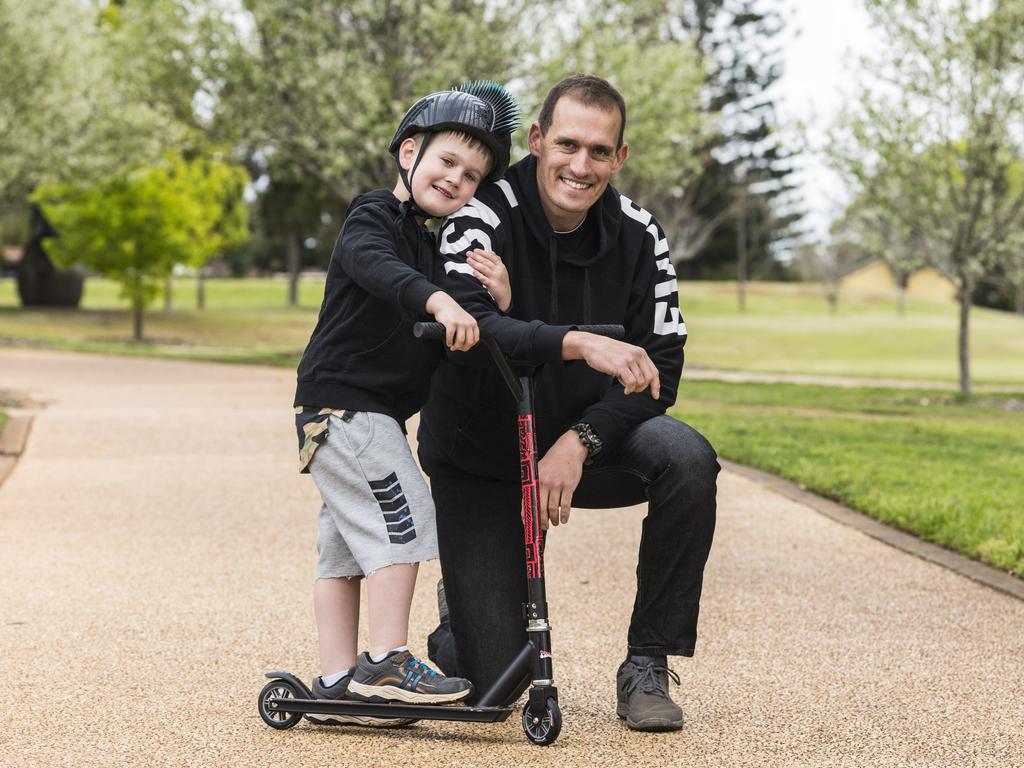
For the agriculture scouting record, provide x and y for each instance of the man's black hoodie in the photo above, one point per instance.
(362, 354)
(470, 419)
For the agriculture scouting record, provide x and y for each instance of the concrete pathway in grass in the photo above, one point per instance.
(157, 554)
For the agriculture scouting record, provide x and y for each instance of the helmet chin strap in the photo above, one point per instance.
(411, 206)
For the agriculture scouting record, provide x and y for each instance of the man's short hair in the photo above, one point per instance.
(592, 91)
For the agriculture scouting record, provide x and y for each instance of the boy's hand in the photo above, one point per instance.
(461, 331)
(489, 269)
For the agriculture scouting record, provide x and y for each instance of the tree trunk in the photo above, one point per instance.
(137, 310)
(294, 246)
(741, 255)
(832, 295)
(201, 289)
(169, 294)
(964, 338)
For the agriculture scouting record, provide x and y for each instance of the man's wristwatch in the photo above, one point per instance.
(589, 438)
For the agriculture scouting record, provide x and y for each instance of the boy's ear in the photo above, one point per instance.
(407, 153)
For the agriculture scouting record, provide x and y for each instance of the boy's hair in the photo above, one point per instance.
(466, 138)
(589, 89)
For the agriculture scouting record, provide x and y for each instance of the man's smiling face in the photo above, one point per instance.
(575, 159)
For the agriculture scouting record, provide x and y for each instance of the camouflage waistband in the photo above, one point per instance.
(311, 426)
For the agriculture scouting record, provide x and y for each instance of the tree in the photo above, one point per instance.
(941, 120)
(742, 207)
(874, 225)
(312, 91)
(63, 113)
(136, 225)
(637, 48)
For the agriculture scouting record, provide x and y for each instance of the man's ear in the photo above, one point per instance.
(620, 157)
(536, 137)
(407, 153)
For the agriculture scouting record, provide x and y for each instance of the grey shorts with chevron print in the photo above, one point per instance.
(377, 509)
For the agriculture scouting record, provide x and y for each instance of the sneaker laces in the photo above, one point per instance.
(418, 666)
(648, 681)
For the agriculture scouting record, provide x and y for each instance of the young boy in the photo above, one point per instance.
(363, 374)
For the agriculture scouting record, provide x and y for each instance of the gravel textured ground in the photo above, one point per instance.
(157, 554)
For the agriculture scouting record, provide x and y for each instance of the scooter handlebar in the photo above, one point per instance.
(435, 331)
(428, 331)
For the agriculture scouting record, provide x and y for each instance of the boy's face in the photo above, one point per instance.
(447, 176)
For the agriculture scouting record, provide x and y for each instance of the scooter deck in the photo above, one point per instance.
(313, 706)
(392, 710)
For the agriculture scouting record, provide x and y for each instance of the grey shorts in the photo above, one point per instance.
(377, 510)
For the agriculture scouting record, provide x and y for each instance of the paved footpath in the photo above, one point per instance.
(156, 557)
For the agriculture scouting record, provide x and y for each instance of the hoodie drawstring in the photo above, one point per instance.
(553, 256)
(586, 295)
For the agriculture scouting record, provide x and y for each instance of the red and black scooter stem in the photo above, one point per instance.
(535, 610)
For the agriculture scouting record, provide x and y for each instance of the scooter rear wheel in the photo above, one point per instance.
(542, 728)
(275, 718)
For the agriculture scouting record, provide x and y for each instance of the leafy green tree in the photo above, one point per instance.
(64, 115)
(873, 226)
(743, 206)
(940, 119)
(636, 48)
(311, 91)
(135, 226)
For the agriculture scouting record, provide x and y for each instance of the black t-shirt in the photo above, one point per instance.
(581, 243)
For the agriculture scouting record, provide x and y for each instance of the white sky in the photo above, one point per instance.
(824, 38)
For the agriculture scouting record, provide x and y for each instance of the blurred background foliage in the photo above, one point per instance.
(304, 95)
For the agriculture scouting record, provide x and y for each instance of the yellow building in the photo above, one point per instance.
(877, 278)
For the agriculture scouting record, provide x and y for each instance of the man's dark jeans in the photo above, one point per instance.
(480, 535)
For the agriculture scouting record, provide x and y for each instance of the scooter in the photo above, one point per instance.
(285, 699)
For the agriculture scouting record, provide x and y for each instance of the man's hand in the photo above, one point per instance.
(630, 364)
(461, 331)
(490, 270)
(559, 473)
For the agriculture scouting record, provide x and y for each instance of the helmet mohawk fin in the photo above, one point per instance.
(497, 97)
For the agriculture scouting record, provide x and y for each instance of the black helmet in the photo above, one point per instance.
(481, 108)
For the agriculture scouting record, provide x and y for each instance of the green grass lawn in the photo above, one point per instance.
(948, 470)
(246, 321)
(787, 329)
(3, 420)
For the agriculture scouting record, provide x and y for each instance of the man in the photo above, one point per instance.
(577, 252)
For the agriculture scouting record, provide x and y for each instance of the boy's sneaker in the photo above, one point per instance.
(644, 703)
(403, 677)
(340, 691)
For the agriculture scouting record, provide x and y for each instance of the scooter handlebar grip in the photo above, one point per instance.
(434, 331)
(611, 331)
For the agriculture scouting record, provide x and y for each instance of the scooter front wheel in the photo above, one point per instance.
(275, 718)
(542, 728)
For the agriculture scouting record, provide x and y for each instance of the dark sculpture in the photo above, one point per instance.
(40, 284)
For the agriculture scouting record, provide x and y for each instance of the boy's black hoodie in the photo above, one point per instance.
(362, 354)
(623, 275)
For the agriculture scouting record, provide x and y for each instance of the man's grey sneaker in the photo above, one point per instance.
(340, 691)
(402, 677)
(644, 703)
